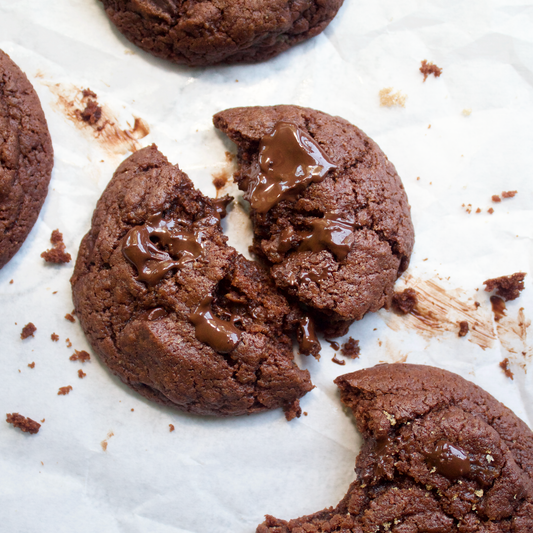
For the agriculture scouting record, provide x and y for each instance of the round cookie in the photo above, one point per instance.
(198, 33)
(441, 455)
(172, 310)
(26, 158)
(330, 214)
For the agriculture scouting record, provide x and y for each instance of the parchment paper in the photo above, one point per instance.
(459, 140)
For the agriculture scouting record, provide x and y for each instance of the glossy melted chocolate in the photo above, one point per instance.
(449, 460)
(140, 247)
(289, 160)
(331, 232)
(308, 337)
(221, 335)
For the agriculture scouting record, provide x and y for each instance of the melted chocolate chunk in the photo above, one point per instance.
(221, 204)
(221, 335)
(307, 338)
(332, 233)
(140, 247)
(449, 460)
(289, 160)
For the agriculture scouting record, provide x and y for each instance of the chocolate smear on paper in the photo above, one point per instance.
(98, 121)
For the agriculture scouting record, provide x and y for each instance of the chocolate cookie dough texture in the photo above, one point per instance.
(440, 455)
(176, 313)
(330, 214)
(26, 158)
(198, 33)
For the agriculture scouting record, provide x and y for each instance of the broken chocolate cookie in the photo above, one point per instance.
(330, 214)
(441, 455)
(176, 313)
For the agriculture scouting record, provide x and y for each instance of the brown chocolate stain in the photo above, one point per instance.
(104, 442)
(512, 333)
(107, 130)
(498, 307)
(438, 311)
(223, 176)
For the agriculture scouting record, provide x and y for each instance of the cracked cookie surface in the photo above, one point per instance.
(440, 455)
(26, 158)
(207, 32)
(172, 310)
(360, 199)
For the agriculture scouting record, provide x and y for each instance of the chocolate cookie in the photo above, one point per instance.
(172, 310)
(198, 33)
(441, 455)
(330, 214)
(26, 158)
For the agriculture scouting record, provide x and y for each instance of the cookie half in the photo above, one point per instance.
(440, 455)
(172, 310)
(330, 214)
(26, 158)
(198, 33)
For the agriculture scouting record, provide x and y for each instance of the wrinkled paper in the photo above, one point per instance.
(105, 458)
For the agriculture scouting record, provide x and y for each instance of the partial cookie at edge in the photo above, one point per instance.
(440, 455)
(210, 32)
(26, 158)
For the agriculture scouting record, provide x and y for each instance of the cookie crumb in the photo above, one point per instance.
(132, 409)
(463, 328)
(27, 425)
(428, 68)
(404, 302)
(43, 420)
(11, 282)
(69, 344)
(467, 112)
(81, 373)
(80, 355)
(504, 365)
(496, 198)
(388, 99)
(54, 337)
(92, 112)
(57, 253)
(70, 318)
(28, 330)
(338, 361)
(509, 194)
(31, 365)
(293, 410)
(478, 210)
(490, 210)
(171, 427)
(63, 391)
(220, 179)
(88, 93)
(508, 287)
(351, 349)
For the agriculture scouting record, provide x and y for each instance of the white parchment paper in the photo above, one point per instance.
(459, 140)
